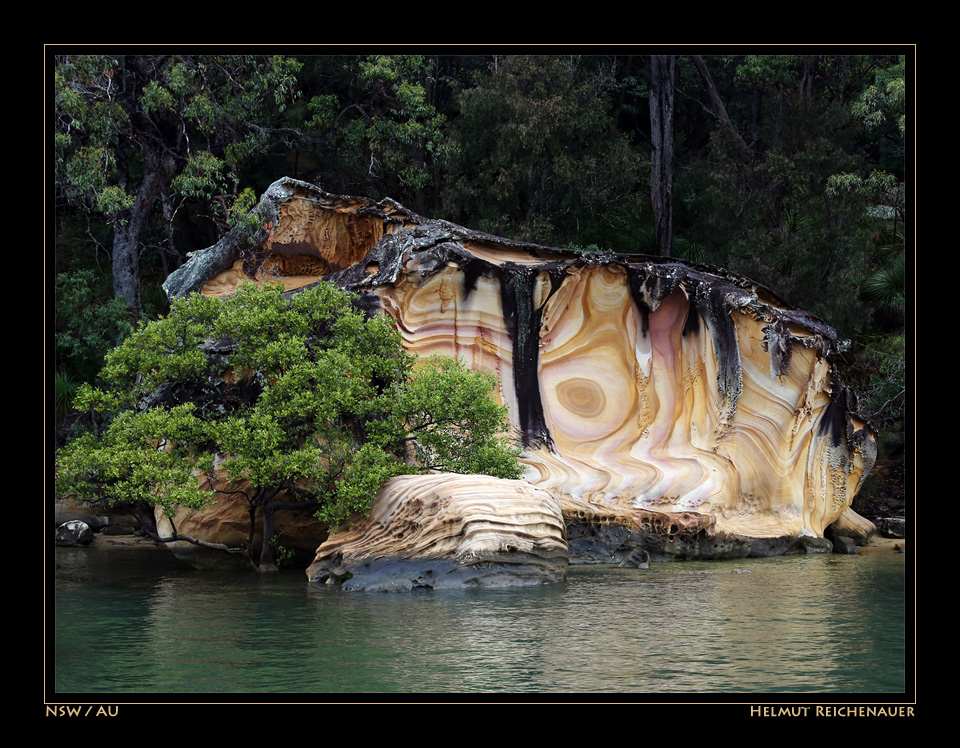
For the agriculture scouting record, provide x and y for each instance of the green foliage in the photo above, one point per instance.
(378, 120)
(537, 158)
(878, 371)
(885, 396)
(449, 414)
(284, 555)
(792, 206)
(886, 287)
(140, 131)
(241, 214)
(302, 397)
(64, 391)
(409, 126)
(767, 70)
(88, 323)
(202, 176)
(883, 102)
(776, 220)
(142, 457)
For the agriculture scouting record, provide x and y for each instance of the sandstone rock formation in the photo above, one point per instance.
(446, 531)
(669, 406)
(227, 522)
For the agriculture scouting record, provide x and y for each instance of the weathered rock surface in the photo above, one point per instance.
(227, 522)
(851, 525)
(444, 531)
(67, 510)
(892, 527)
(670, 406)
(75, 533)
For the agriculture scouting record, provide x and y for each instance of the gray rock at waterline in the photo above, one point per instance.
(814, 545)
(74, 532)
(846, 546)
(638, 559)
(892, 527)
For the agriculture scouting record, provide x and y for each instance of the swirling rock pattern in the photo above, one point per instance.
(667, 405)
(443, 531)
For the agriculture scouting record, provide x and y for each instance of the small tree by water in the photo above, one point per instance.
(300, 403)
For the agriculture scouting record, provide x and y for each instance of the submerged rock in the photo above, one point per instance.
(667, 405)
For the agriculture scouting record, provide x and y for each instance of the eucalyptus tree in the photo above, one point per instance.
(138, 132)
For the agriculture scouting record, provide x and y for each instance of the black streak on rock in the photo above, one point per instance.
(636, 278)
(711, 303)
(523, 320)
(836, 416)
(472, 271)
(691, 325)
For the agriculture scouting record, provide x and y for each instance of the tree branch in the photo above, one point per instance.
(716, 103)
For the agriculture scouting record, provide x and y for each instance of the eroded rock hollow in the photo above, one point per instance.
(668, 406)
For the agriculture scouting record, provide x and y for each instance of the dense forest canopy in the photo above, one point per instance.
(788, 168)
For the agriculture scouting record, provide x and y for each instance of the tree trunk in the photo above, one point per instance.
(716, 103)
(126, 267)
(267, 562)
(126, 235)
(661, 157)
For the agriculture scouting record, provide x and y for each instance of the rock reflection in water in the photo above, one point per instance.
(814, 624)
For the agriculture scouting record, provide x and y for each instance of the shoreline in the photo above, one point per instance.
(876, 544)
(881, 544)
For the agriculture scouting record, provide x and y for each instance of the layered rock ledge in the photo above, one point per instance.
(667, 405)
(444, 531)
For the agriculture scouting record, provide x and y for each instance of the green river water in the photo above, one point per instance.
(135, 624)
